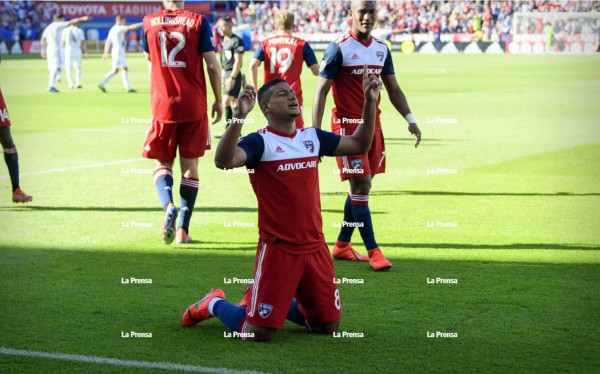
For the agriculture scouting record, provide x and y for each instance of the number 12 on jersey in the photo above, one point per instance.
(168, 58)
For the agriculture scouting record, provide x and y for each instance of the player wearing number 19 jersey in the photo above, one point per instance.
(177, 42)
(283, 55)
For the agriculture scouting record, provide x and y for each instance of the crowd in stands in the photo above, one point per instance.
(487, 19)
(23, 20)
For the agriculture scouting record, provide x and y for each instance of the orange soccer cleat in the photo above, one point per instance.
(247, 294)
(346, 252)
(377, 261)
(182, 237)
(21, 197)
(198, 311)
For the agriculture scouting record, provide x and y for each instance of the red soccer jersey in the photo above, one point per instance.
(343, 62)
(285, 180)
(283, 56)
(4, 119)
(175, 41)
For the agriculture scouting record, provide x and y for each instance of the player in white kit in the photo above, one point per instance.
(50, 47)
(73, 43)
(115, 42)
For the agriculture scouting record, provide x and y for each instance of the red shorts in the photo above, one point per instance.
(280, 276)
(163, 139)
(4, 119)
(370, 163)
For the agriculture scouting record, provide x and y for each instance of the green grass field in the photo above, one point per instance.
(518, 135)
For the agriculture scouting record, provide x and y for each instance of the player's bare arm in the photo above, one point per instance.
(254, 64)
(360, 141)
(135, 26)
(76, 21)
(84, 48)
(323, 87)
(43, 46)
(237, 66)
(106, 49)
(228, 155)
(399, 101)
(315, 69)
(214, 75)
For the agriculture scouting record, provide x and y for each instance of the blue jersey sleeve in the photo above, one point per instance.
(254, 146)
(207, 43)
(328, 142)
(388, 65)
(259, 54)
(309, 55)
(332, 61)
(145, 42)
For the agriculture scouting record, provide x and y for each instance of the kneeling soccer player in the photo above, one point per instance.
(293, 272)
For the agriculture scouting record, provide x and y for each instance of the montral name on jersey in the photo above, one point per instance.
(297, 166)
(162, 20)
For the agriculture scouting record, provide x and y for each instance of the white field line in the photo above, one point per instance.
(118, 362)
(76, 167)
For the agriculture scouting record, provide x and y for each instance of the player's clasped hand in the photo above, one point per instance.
(247, 98)
(371, 85)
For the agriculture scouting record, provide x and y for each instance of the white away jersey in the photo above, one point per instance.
(116, 35)
(343, 62)
(53, 34)
(72, 36)
(285, 180)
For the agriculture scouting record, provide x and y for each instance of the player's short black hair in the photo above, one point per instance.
(227, 19)
(59, 16)
(265, 88)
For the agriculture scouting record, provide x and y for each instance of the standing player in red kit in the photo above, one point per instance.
(10, 154)
(283, 55)
(293, 271)
(341, 69)
(176, 42)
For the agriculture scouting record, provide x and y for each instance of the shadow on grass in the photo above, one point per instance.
(455, 193)
(146, 209)
(492, 246)
(84, 306)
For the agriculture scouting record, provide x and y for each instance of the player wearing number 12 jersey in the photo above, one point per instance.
(283, 55)
(177, 42)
